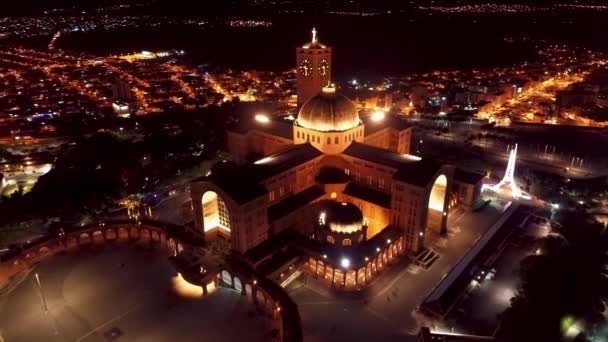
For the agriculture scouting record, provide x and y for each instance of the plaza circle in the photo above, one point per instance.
(122, 293)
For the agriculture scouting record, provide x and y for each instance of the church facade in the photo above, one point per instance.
(338, 189)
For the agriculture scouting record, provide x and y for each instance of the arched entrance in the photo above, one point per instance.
(226, 278)
(437, 210)
(238, 286)
(215, 214)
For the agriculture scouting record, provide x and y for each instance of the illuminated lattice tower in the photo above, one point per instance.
(313, 62)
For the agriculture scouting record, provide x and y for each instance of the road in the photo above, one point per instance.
(562, 164)
(387, 311)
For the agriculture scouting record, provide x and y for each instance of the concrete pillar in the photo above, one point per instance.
(197, 206)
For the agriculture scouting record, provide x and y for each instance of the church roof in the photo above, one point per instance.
(277, 127)
(410, 169)
(379, 155)
(468, 177)
(328, 112)
(420, 174)
(291, 203)
(391, 121)
(281, 161)
(243, 183)
(367, 194)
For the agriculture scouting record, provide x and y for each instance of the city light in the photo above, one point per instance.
(345, 263)
(261, 118)
(264, 160)
(378, 116)
(185, 289)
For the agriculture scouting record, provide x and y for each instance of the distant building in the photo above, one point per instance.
(121, 90)
(121, 108)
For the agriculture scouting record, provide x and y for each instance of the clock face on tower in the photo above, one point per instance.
(323, 68)
(305, 68)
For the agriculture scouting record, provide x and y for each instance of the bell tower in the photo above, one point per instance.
(313, 67)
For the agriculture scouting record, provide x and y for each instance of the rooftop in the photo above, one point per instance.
(371, 195)
(390, 121)
(243, 183)
(281, 161)
(293, 202)
(468, 177)
(275, 126)
(380, 155)
(410, 169)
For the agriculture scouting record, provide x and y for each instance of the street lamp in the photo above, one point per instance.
(46, 308)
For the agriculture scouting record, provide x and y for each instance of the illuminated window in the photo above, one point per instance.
(347, 171)
(330, 239)
(346, 242)
(223, 213)
(369, 180)
(271, 195)
(381, 183)
(333, 195)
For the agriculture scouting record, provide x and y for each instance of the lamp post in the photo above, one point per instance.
(46, 308)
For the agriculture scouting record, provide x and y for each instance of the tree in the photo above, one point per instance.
(563, 286)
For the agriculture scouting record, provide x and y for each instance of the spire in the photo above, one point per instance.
(314, 36)
(509, 178)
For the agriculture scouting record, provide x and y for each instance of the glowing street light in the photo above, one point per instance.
(378, 116)
(46, 308)
(261, 118)
(345, 263)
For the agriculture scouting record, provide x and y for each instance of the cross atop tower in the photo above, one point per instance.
(313, 66)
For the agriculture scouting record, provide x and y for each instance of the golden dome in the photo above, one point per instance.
(343, 217)
(328, 112)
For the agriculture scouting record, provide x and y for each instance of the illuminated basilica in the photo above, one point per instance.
(336, 192)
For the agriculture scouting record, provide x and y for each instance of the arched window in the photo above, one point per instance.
(346, 242)
(330, 239)
(328, 141)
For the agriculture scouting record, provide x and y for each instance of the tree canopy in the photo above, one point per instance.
(563, 288)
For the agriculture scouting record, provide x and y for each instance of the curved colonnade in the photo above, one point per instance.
(267, 295)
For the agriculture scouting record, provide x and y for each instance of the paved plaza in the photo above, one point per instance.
(121, 293)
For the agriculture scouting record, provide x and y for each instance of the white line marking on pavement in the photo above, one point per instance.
(392, 282)
(133, 308)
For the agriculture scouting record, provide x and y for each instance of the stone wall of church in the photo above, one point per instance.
(328, 142)
(391, 139)
(242, 145)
